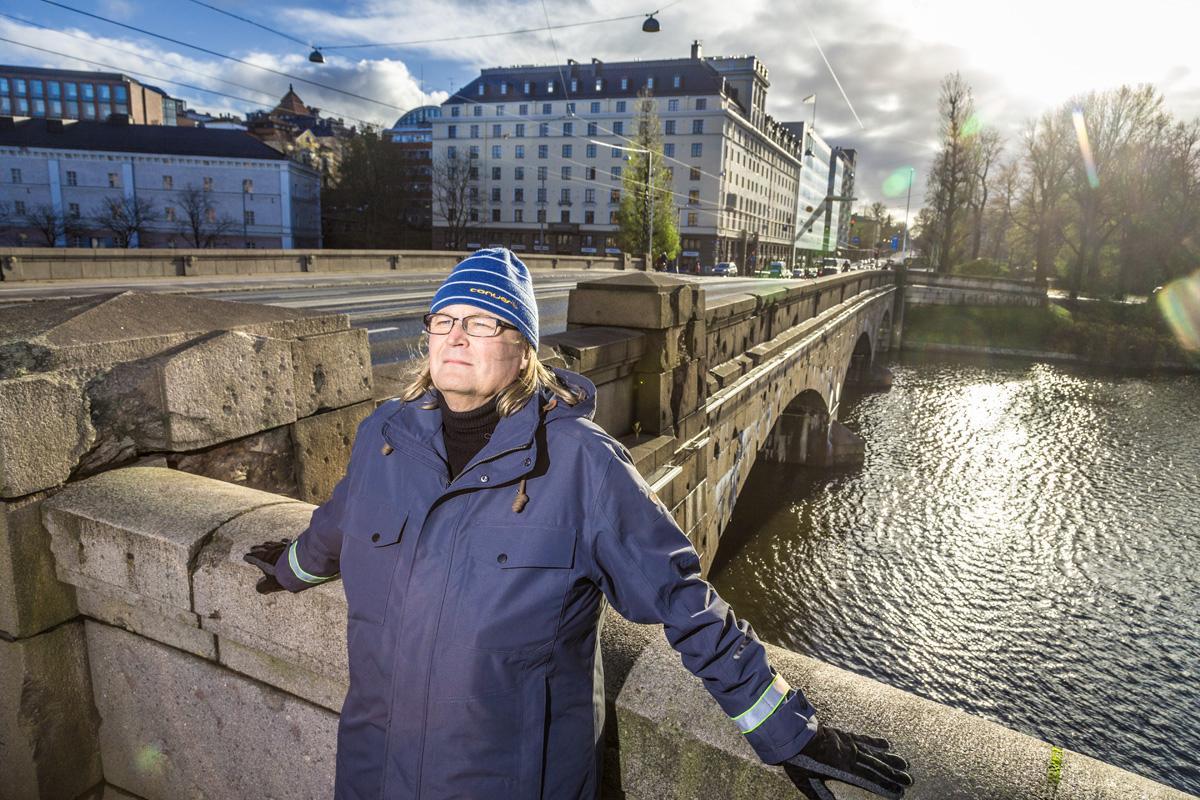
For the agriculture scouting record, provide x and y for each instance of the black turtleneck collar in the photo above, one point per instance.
(466, 432)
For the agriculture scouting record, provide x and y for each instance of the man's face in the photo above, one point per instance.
(471, 370)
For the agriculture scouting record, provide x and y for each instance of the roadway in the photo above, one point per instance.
(388, 307)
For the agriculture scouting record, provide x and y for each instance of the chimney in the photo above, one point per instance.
(697, 53)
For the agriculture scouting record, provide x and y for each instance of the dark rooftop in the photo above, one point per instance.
(696, 77)
(120, 138)
(81, 74)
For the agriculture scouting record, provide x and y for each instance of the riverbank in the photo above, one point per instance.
(1116, 335)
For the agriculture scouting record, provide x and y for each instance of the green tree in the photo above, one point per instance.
(365, 208)
(636, 200)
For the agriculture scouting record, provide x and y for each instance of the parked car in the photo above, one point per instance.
(777, 269)
(829, 266)
(726, 268)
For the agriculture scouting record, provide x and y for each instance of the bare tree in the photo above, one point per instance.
(452, 182)
(126, 219)
(1047, 160)
(949, 180)
(984, 153)
(1007, 185)
(199, 223)
(47, 222)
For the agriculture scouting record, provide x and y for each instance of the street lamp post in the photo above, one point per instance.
(904, 249)
(649, 195)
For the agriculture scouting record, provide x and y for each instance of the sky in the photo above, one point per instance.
(1021, 57)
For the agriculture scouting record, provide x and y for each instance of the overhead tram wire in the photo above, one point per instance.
(175, 67)
(251, 22)
(289, 76)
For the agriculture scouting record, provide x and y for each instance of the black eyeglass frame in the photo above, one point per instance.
(501, 325)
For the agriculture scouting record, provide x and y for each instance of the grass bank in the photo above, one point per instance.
(1097, 332)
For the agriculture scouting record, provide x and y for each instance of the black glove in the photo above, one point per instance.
(264, 557)
(862, 761)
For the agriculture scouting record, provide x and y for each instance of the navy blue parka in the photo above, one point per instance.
(474, 664)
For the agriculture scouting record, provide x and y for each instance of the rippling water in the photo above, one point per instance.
(1023, 542)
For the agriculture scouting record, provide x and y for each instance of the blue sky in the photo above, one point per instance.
(1022, 57)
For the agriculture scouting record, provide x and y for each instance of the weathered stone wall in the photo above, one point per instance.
(932, 289)
(58, 263)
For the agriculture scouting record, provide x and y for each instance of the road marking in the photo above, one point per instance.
(381, 330)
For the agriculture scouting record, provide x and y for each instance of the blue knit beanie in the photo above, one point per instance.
(495, 280)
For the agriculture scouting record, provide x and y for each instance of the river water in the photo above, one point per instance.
(1023, 543)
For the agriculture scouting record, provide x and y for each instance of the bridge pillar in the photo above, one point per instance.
(669, 379)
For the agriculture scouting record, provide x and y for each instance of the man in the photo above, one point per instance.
(481, 524)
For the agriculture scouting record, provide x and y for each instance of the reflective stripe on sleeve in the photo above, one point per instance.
(764, 707)
(299, 572)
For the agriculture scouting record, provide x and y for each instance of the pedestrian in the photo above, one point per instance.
(483, 522)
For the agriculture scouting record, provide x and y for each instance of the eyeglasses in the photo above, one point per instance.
(479, 325)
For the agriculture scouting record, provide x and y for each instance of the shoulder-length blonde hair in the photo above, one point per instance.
(510, 399)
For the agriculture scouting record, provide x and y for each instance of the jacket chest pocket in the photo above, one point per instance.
(511, 586)
(370, 554)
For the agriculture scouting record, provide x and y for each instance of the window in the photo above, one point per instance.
(549, 89)
(669, 150)
(35, 88)
(541, 195)
(568, 129)
(589, 195)
(624, 84)
(620, 106)
(701, 103)
(496, 151)
(500, 111)
(564, 197)
(247, 186)
(694, 197)
(670, 173)
(473, 151)
(495, 215)
(496, 194)
(210, 214)
(649, 82)
(543, 151)
(676, 81)
(523, 110)
(452, 132)
(520, 132)
(477, 111)
(39, 108)
(103, 110)
(103, 92)
(72, 109)
(519, 151)
(481, 90)
(496, 131)
(590, 150)
(503, 89)
(570, 107)
(5, 106)
(53, 89)
(612, 218)
(615, 153)
(169, 213)
(72, 91)
(23, 107)
(693, 219)
(3, 85)
(519, 173)
(474, 131)
(669, 127)
(114, 180)
(73, 210)
(543, 129)
(564, 216)
(19, 206)
(619, 128)
(519, 215)
(591, 173)
(495, 173)
(56, 108)
(673, 103)
(541, 215)
(451, 152)
(566, 151)
(473, 194)
(566, 173)
(595, 107)
(248, 217)
(72, 178)
(542, 173)
(18, 86)
(474, 215)
(454, 110)
(697, 126)
(119, 94)
(591, 129)
(615, 173)
(589, 217)
(697, 150)
(574, 86)
(694, 174)
(518, 195)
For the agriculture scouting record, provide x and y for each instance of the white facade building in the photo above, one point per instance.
(547, 175)
(253, 195)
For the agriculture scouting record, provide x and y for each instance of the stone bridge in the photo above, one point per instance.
(147, 441)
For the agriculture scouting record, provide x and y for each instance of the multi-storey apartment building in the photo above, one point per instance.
(83, 95)
(547, 173)
(251, 195)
